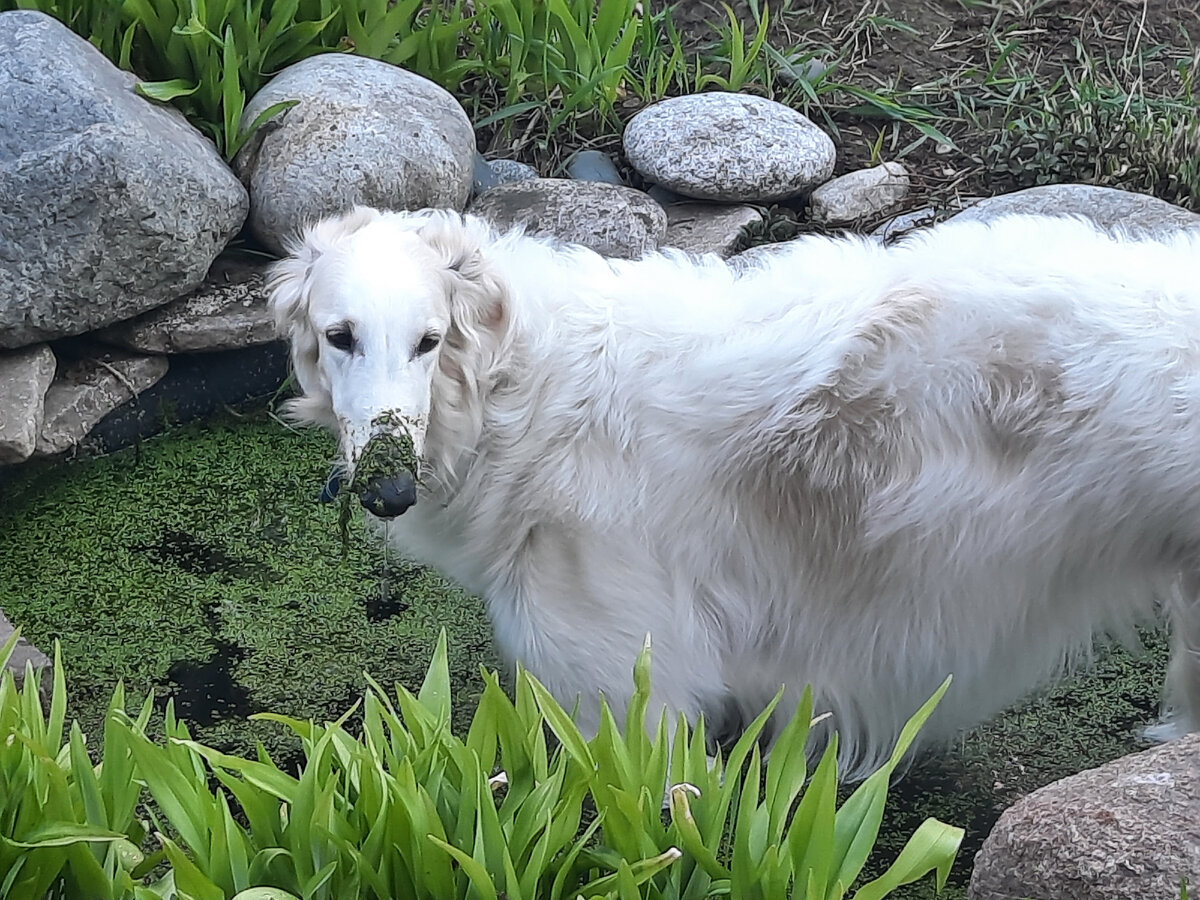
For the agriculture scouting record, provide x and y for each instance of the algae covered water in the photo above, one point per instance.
(202, 566)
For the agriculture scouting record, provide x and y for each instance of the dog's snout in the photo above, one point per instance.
(388, 496)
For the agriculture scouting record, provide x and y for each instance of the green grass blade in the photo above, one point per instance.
(165, 91)
(932, 847)
(475, 871)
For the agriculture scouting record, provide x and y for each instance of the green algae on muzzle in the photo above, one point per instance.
(389, 451)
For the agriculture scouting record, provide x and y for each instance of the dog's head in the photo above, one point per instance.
(387, 313)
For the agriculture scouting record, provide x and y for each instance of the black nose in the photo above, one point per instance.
(388, 496)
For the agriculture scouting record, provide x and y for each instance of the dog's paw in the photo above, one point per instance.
(1168, 728)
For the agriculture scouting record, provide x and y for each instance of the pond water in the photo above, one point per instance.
(200, 565)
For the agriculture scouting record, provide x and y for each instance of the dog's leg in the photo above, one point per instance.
(1181, 707)
(576, 620)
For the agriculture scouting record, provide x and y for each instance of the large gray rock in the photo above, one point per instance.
(228, 312)
(1109, 208)
(87, 391)
(611, 219)
(24, 376)
(1129, 830)
(708, 227)
(856, 195)
(363, 132)
(110, 204)
(733, 147)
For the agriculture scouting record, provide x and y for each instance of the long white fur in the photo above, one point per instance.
(859, 467)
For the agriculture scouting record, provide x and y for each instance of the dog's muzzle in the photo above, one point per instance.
(388, 496)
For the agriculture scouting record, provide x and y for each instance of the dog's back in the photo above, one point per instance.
(869, 469)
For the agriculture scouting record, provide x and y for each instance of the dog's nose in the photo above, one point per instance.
(388, 496)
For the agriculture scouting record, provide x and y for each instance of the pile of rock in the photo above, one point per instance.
(112, 208)
(116, 283)
(113, 286)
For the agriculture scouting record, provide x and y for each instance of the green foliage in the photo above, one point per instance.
(67, 827)
(568, 60)
(208, 57)
(742, 62)
(574, 52)
(1088, 127)
(406, 808)
(549, 63)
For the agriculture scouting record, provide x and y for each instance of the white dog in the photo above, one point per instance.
(858, 467)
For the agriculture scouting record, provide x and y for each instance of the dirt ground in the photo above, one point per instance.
(973, 65)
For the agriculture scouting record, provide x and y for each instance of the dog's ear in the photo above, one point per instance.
(289, 279)
(289, 284)
(479, 307)
(477, 344)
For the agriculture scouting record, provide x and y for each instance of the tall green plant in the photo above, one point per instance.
(787, 836)
(571, 56)
(406, 808)
(209, 56)
(741, 61)
(427, 38)
(67, 826)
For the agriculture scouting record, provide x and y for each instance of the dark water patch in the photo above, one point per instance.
(197, 386)
(199, 558)
(206, 692)
(385, 605)
(939, 785)
(397, 580)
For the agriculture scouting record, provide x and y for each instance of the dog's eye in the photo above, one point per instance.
(427, 344)
(340, 337)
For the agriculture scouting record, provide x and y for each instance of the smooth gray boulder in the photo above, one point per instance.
(87, 391)
(1128, 830)
(22, 654)
(708, 227)
(857, 195)
(729, 147)
(613, 220)
(229, 311)
(1109, 208)
(110, 204)
(594, 165)
(363, 132)
(488, 173)
(25, 375)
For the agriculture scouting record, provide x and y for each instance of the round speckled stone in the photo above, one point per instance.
(732, 147)
(363, 131)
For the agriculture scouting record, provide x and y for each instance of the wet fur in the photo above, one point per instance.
(858, 467)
